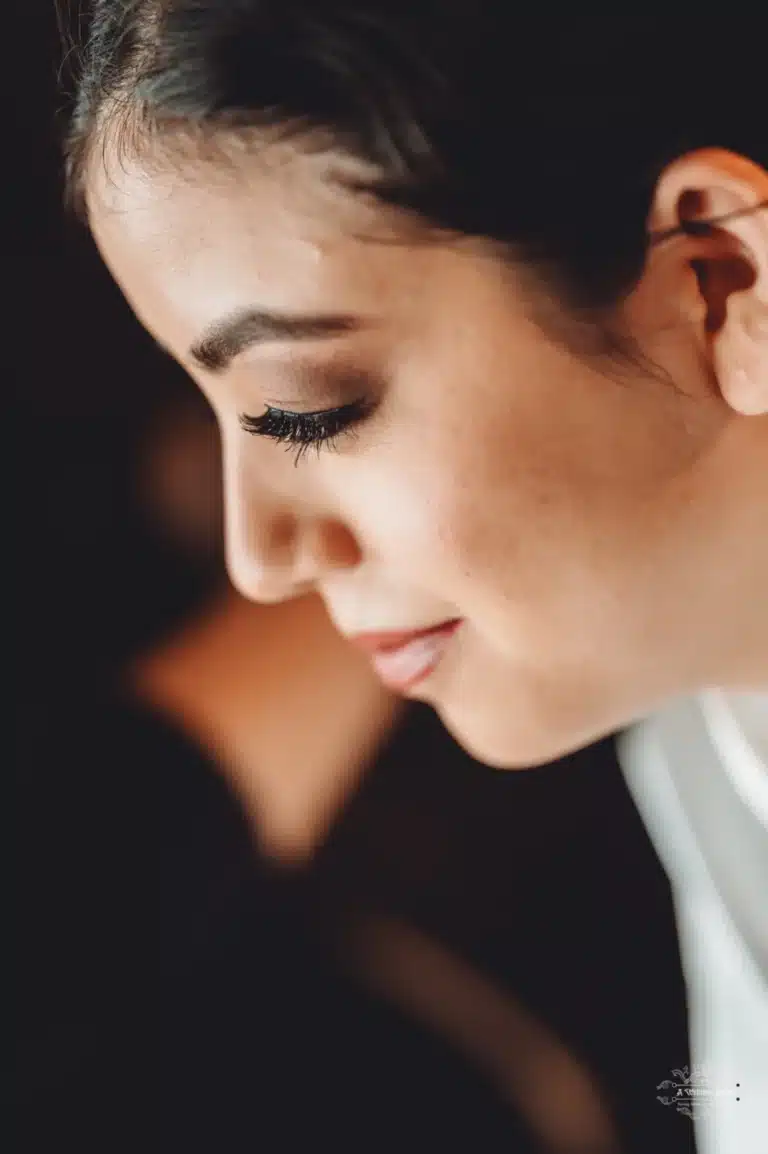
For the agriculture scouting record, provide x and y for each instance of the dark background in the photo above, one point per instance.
(175, 990)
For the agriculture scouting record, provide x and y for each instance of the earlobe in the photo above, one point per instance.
(744, 392)
(718, 202)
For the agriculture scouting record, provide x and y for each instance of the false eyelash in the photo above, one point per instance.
(300, 431)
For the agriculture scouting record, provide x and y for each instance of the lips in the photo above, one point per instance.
(403, 659)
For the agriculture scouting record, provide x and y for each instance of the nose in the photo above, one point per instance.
(278, 549)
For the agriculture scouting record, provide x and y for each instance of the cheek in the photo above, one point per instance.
(495, 521)
(500, 512)
(452, 512)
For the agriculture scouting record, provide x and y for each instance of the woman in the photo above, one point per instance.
(515, 273)
(266, 962)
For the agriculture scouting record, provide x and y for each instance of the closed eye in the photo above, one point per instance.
(300, 431)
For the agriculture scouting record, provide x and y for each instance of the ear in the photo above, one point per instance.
(716, 204)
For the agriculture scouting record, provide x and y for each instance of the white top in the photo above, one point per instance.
(698, 772)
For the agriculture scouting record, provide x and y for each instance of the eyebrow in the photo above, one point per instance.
(225, 339)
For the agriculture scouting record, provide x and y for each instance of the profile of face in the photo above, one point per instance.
(579, 515)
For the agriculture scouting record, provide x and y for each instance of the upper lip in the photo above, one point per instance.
(384, 640)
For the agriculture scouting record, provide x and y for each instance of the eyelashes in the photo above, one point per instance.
(300, 431)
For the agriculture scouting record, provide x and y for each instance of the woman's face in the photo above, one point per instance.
(556, 504)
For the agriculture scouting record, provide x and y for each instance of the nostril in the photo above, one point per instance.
(275, 537)
(276, 553)
(340, 547)
(265, 539)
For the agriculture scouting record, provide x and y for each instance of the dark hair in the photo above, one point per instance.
(542, 129)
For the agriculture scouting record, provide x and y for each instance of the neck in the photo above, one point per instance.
(730, 559)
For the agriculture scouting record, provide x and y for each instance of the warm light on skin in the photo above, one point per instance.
(600, 527)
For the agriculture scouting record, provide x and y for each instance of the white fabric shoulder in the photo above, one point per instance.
(738, 724)
(698, 772)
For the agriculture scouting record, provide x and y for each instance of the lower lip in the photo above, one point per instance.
(402, 668)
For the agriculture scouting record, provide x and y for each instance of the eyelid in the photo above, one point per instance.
(322, 385)
(356, 409)
(301, 431)
(288, 408)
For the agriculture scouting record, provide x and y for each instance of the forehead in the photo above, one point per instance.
(272, 228)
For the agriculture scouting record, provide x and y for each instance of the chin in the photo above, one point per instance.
(516, 741)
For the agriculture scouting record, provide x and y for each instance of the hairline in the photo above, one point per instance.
(157, 142)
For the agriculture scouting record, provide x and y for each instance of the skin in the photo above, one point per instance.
(599, 526)
(229, 677)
